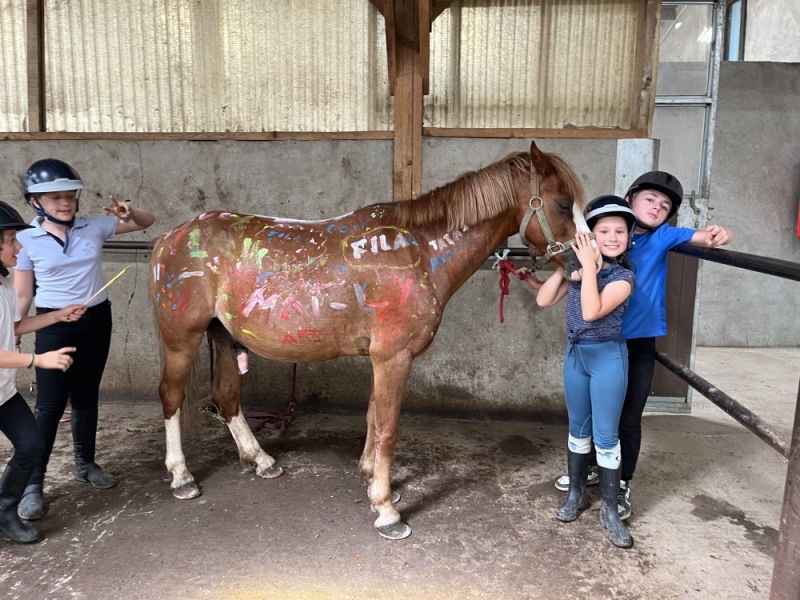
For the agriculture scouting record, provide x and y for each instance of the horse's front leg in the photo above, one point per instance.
(389, 383)
(225, 390)
(366, 465)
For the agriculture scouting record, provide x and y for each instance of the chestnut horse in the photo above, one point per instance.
(373, 283)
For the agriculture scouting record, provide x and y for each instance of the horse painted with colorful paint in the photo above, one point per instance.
(373, 283)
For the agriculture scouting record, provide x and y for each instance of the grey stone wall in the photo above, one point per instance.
(755, 190)
(474, 363)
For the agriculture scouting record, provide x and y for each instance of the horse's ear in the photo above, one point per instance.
(540, 161)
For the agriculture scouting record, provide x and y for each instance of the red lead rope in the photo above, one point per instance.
(506, 267)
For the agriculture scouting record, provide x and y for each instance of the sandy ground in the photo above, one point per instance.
(478, 494)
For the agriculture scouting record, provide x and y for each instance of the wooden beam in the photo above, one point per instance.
(403, 161)
(391, 46)
(35, 58)
(425, 45)
(438, 7)
(591, 133)
(258, 136)
(379, 5)
(646, 66)
(406, 20)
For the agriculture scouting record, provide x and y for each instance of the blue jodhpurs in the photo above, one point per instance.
(595, 379)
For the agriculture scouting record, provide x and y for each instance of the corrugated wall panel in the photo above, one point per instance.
(215, 65)
(523, 63)
(13, 67)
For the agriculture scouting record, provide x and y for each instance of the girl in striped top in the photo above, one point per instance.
(596, 365)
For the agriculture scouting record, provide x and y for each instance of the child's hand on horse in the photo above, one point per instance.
(71, 313)
(530, 278)
(121, 210)
(586, 253)
(57, 359)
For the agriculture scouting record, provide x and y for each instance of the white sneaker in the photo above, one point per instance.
(624, 501)
(562, 483)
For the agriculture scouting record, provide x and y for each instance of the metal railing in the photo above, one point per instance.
(786, 568)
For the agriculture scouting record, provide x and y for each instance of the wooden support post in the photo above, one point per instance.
(35, 49)
(786, 570)
(407, 122)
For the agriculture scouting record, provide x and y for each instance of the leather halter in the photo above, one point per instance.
(536, 207)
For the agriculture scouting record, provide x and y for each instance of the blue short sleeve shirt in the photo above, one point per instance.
(604, 328)
(71, 277)
(647, 313)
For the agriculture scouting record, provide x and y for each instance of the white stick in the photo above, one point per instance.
(110, 281)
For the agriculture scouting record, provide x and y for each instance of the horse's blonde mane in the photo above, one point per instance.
(481, 195)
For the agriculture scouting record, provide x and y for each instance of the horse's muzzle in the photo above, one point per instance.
(571, 263)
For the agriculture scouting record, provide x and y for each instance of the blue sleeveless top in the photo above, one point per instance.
(604, 328)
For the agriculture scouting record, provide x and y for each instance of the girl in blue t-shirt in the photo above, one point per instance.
(596, 365)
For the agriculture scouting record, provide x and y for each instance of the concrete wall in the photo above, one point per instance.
(755, 189)
(474, 363)
(772, 31)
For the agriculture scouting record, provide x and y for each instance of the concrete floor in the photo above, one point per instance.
(479, 496)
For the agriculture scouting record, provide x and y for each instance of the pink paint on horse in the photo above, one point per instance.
(373, 283)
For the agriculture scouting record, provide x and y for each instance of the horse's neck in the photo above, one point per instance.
(454, 256)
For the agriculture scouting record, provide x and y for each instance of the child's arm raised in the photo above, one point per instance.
(595, 305)
(712, 236)
(554, 289)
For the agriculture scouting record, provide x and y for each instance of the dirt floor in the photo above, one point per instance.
(479, 496)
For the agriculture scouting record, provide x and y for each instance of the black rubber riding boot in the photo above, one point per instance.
(609, 515)
(12, 484)
(84, 431)
(575, 502)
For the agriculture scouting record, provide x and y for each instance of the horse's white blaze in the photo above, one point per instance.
(176, 461)
(577, 217)
(250, 451)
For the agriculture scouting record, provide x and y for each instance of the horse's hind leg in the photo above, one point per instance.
(391, 375)
(225, 390)
(177, 367)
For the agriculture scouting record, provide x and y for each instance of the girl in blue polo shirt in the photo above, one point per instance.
(596, 365)
(62, 254)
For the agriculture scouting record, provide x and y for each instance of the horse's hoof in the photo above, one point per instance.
(270, 472)
(395, 497)
(395, 531)
(187, 491)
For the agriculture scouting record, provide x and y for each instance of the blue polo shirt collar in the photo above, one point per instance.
(39, 231)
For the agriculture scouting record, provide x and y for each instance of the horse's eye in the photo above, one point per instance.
(565, 205)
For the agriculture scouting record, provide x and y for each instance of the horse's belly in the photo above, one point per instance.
(307, 345)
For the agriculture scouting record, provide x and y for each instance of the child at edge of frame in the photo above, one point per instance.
(16, 418)
(655, 198)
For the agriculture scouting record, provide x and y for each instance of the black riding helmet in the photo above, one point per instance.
(51, 175)
(605, 206)
(10, 219)
(660, 181)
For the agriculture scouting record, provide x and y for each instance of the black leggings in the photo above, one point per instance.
(19, 426)
(80, 384)
(641, 364)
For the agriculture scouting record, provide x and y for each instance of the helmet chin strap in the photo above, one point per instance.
(41, 212)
